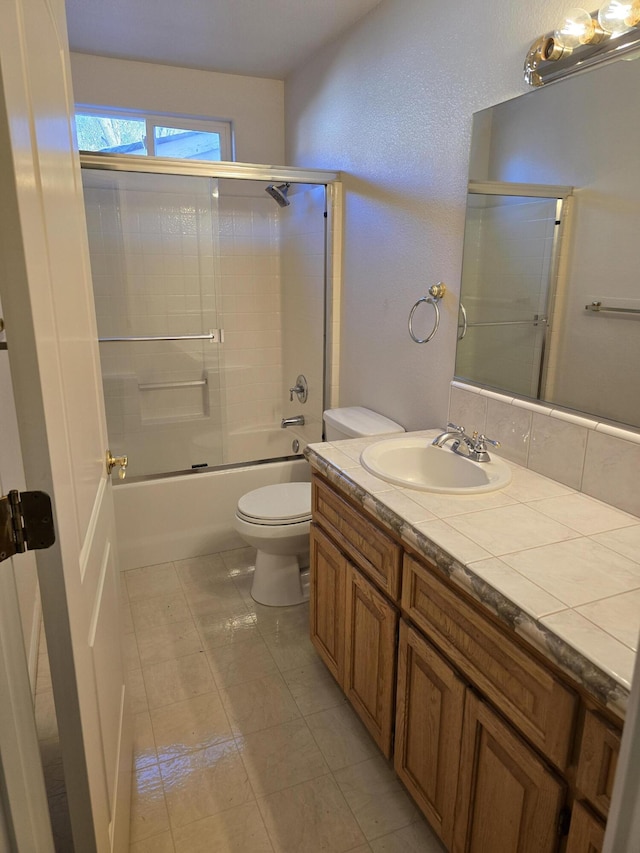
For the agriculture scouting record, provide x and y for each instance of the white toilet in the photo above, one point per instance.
(276, 519)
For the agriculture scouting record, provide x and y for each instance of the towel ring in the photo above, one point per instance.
(436, 292)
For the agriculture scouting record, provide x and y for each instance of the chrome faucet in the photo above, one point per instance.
(296, 420)
(452, 431)
(472, 447)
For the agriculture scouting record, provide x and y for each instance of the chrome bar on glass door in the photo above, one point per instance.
(155, 386)
(598, 307)
(535, 322)
(215, 335)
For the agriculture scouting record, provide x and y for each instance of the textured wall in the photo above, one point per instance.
(253, 105)
(390, 103)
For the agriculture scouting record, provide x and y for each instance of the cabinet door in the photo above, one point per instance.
(508, 800)
(598, 761)
(430, 706)
(587, 832)
(328, 572)
(370, 657)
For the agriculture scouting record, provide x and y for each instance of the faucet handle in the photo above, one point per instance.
(455, 428)
(483, 440)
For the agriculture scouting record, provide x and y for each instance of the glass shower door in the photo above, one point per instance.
(508, 265)
(153, 246)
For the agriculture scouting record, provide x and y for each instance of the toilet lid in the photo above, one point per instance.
(284, 503)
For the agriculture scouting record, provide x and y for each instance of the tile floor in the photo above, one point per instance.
(244, 743)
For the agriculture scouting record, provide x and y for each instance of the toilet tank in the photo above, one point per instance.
(356, 422)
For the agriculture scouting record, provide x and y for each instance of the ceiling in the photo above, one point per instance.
(260, 38)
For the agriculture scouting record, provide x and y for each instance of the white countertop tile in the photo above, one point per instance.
(526, 485)
(445, 506)
(618, 616)
(584, 514)
(510, 528)
(625, 541)
(465, 549)
(519, 589)
(577, 571)
(594, 643)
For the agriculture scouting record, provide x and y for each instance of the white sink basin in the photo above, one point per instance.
(416, 464)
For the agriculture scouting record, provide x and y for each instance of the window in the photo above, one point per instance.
(153, 136)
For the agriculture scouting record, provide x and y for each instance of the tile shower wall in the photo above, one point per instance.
(251, 308)
(596, 458)
(508, 248)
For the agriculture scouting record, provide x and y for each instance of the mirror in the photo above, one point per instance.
(551, 279)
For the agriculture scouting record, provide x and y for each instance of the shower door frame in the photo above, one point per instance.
(563, 196)
(331, 180)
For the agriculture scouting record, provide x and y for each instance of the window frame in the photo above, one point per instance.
(171, 120)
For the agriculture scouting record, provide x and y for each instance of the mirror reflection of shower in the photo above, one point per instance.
(208, 301)
(279, 193)
(509, 285)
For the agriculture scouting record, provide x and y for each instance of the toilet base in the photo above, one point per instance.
(278, 581)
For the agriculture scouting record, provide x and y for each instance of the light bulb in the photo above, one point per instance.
(616, 16)
(577, 28)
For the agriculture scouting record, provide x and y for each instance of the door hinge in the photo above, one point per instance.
(564, 821)
(26, 523)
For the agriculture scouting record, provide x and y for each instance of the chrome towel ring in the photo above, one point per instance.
(436, 292)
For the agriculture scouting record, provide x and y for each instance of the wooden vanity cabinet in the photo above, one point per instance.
(508, 799)
(597, 764)
(481, 787)
(586, 834)
(429, 716)
(353, 625)
(485, 731)
(327, 581)
(371, 627)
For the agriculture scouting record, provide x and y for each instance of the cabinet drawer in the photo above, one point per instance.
(598, 761)
(528, 694)
(371, 550)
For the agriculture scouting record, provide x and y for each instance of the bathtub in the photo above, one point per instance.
(175, 517)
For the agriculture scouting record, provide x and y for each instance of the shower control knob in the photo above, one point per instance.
(300, 389)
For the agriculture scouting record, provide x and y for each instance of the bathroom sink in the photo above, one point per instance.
(417, 464)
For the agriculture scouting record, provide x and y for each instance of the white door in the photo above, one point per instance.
(48, 308)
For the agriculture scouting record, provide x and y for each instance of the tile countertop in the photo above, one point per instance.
(560, 568)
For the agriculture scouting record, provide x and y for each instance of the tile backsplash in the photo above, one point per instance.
(595, 458)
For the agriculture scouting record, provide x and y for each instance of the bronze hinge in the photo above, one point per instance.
(26, 523)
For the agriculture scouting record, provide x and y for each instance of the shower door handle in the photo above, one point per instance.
(117, 461)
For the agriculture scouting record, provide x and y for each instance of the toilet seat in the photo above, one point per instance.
(281, 504)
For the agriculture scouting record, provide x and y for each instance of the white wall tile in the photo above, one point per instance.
(557, 449)
(611, 471)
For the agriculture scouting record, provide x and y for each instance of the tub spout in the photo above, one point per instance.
(297, 420)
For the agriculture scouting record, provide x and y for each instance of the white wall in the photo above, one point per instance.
(254, 105)
(390, 103)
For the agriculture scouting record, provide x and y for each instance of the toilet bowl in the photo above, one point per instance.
(276, 519)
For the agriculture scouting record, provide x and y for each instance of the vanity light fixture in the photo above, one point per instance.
(584, 39)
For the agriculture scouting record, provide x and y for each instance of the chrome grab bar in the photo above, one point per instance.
(436, 292)
(598, 307)
(465, 325)
(156, 386)
(212, 336)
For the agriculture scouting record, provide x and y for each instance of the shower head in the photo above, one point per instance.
(279, 193)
